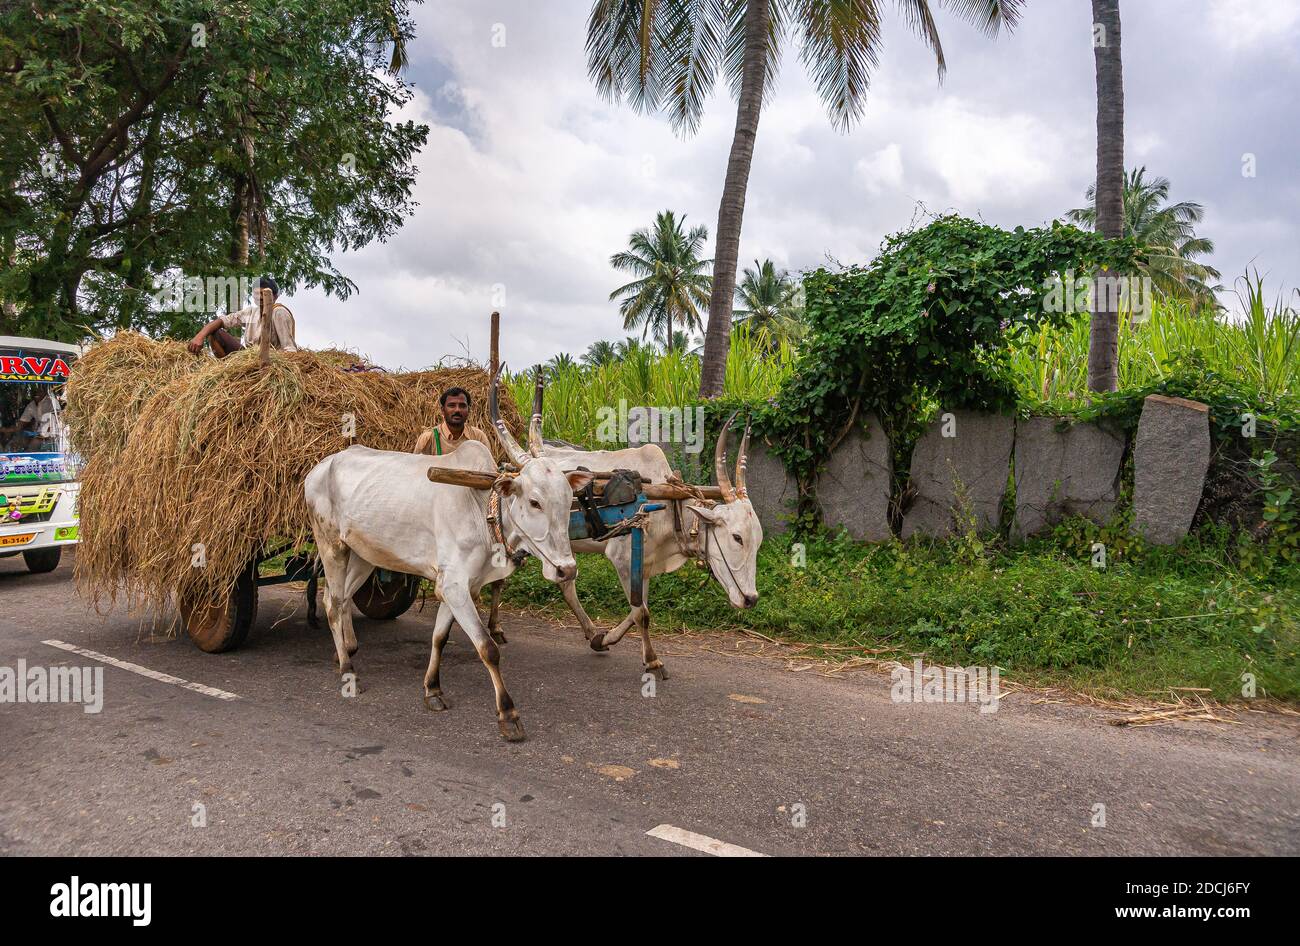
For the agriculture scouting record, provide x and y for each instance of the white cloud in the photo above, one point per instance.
(530, 181)
(1245, 24)
(883, 170)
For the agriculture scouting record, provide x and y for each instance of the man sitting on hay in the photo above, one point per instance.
(453, 431)
(217, 332)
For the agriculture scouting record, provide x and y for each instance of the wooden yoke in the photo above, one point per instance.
(477, 480)
(266, 303)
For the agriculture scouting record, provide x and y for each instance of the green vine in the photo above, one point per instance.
(927, 323)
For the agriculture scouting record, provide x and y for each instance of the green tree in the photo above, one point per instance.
(768, 300)
(559, 364)
(600, 353)
(627, 348)
(150, 138)
(1167, 232)
(672, 283)
(666, 56)
(681, 340)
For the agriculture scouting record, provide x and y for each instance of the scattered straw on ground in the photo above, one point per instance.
(210, 473)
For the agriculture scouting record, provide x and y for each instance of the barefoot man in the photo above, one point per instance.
(217, 332)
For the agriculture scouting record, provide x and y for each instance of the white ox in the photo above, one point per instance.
(726, 537)
(377, 509)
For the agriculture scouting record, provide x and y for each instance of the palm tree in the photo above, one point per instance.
(600, 353)
(680, 341)
(1167, 232)
(629, 346)
(559, 363)
(666, 56)
(672, 283)
(1103, 330)
(768, 301)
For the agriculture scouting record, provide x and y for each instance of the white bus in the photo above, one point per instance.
(38, 471)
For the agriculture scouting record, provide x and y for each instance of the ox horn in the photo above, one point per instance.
(720, 462)
(742, 490)
(516, 453)
(535, 423)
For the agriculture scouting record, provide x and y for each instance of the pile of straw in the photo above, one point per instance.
(211, 473)
(111, 384)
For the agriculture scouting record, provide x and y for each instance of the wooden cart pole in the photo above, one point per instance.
(266, 302)
(496, 343)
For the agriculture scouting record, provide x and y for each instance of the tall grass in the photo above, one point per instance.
(1259, 347)
(575, 394)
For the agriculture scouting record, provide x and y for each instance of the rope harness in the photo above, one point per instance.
(516, 556)
(689, 544)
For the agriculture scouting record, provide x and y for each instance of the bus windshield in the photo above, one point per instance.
(33, 437)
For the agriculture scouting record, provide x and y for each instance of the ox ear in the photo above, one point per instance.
(578, 479)
(507, 487)
(704, 512)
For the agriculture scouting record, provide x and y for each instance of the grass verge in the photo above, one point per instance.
(1154, 619)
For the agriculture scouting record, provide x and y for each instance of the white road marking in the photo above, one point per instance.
(145, 671)
(700, 842)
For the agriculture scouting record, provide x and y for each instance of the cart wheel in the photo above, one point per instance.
(216, 627)
(384, 599)
(40, 561)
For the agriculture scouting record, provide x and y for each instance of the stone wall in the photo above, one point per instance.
(854, 488)
(960, 468)
(1064, 470)
(772, 490)
(1171, 454)
(1061, 469)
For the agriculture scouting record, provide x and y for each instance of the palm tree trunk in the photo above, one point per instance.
(1103, 337)
(717, 337)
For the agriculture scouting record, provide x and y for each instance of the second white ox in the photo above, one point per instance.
(725, 537)
(377, 509)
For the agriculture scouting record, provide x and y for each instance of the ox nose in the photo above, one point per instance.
(751, 600)
(565, 572)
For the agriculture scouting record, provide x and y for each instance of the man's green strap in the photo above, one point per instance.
(437, 438)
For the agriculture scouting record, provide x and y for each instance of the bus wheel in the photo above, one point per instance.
(40, 561)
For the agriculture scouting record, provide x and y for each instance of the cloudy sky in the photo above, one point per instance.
(529, 181)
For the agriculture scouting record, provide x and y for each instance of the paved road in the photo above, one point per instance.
(293, 767)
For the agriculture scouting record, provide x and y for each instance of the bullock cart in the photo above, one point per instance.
(193, 485)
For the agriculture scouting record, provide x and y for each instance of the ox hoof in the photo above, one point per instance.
(512, 730)
(598, 643)
(658, 669)
(436, 701)
(499, 637)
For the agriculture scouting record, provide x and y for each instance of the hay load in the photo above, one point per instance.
(111, 385)
(210, 473)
